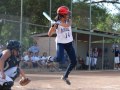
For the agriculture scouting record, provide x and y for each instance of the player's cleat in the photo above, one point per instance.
(66, 80)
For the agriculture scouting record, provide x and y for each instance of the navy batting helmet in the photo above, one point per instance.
(13, 44)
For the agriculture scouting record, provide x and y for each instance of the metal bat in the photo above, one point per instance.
(49, 18)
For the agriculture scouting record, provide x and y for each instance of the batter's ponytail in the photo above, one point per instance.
(58, 17)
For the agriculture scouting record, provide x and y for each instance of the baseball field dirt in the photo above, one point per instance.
(80, 80)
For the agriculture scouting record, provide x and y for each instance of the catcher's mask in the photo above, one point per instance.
(14, 44)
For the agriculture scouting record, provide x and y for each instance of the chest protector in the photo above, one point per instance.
(12, 61)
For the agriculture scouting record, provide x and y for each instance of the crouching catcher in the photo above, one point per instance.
(9, 66)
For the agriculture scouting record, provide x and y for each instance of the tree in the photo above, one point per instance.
(37, 23)
(32, 10)
(81, 15)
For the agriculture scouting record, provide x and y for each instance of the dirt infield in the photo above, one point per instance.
(80, 80)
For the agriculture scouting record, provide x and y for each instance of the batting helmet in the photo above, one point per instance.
(62, 10)
(13, 44)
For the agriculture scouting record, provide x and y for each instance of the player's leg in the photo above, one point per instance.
(92, 63)
(71, 53)
(87, 62)
(7, 83)
(60, 54)
(95, 62)
(13, 72)
(117, 62)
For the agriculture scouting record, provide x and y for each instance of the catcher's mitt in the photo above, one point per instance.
(24, 81)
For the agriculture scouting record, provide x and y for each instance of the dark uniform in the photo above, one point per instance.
(11, 69)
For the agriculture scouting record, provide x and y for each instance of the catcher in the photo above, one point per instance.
(9, 66)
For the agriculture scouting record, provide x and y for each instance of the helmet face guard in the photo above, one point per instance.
(13, 45)
(63, 10)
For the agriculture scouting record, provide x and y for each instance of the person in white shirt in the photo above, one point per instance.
(35, 59)
(95, 56)
(27, 60)
(64, 39)
(44, 58)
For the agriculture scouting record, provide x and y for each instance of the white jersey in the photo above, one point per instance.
(64, 34)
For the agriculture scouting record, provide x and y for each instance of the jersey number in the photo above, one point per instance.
(67, 35)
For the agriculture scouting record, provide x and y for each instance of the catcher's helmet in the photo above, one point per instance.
(62, 10)
(13, 44)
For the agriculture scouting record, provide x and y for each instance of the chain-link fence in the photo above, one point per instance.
(82, 16)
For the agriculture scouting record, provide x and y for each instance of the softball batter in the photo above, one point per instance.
(64, 39)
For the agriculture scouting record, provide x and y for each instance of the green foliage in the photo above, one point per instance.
(116, 24)
(81, 15)
(7, 32)
(32, 10)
